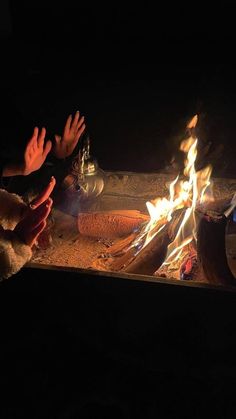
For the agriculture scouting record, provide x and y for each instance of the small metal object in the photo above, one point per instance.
(87, 179)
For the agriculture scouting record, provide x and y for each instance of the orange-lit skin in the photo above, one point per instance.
(35, 154)
(65, 144)
(34, 222)
(37, 148)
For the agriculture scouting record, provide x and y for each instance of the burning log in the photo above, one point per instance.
(189, 267)
(208, 261)
(151, 257)
(211, 247)
(211, 250)
(166, 241)
(185, 267)
(217, 206)
(110, 224)
(147, 260)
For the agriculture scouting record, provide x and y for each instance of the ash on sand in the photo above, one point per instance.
(68, 248)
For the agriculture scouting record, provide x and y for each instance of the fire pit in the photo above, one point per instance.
(123, 191)
(178, 228)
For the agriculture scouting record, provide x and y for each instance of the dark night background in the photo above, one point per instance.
(138, 73)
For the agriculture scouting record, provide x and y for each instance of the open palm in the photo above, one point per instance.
(65, 145)
(36, 151)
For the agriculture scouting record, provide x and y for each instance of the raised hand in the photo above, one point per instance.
(36, 152)
(65, 145)
(34, 156)
(29, 229)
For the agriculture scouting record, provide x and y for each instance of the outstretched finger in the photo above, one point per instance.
(57, 138)
(41, 137)
(39, 214)
(79, 133)
(44, 195)
(47, 149)
(80, 122)
(68, 125)
(32, 141)
(75, 120)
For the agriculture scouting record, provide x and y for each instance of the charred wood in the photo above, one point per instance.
(211, 250)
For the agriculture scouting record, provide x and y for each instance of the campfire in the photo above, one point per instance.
(179, 234)
(184, 235)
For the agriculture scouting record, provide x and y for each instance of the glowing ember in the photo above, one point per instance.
(184, 193)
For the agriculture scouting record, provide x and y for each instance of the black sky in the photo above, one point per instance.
(137, 71)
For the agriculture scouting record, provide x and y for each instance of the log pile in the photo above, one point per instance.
(125, 255)
(151, 257)
(185, 267)
(205, 262)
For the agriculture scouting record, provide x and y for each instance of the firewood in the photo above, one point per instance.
(120, 246)
(184, 267)
(122, 253)
(217, 205)
(207, 264)
(211, 250)
(151, 257)
(116, 257)
(110, 224)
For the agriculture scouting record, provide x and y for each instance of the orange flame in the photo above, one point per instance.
(184, 193)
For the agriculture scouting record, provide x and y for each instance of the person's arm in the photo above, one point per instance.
(12, 169)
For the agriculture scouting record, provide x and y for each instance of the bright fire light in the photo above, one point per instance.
(183, 193)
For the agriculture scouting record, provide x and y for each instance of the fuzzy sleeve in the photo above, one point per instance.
(13, 253)
(12, 209)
